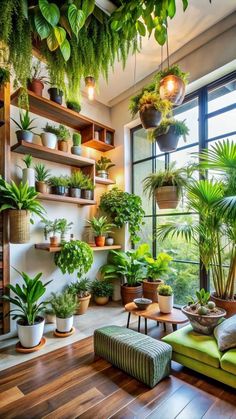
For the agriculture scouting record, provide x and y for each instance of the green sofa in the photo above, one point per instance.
(201, 353)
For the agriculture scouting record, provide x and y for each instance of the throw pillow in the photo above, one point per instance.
(225, 334)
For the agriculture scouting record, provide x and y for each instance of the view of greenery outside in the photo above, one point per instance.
(184, 276)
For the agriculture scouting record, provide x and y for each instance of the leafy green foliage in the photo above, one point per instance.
(63, 133)
(140, 102)
(100, 226)
(101, 288)
(25, 122)
(74, 105)
(180, 129)
(50, 128)
(123, 207)
(173, 70)
(88, 183)
(104, 163)
(158, 267)
(76, 139)
(41, 173)
(165, 290)
(26, 298)
(64, 226)
(80, 288)
(77, 180)
(74, 255)
(59, 181)
(56, 226)
(4, 76)
(36, 72)
(28, 160)
(202, 297)
(63, 305)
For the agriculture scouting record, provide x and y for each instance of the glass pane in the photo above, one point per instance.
(146, 232)
(222, 123)
(184, 157)
(178, 248)
(140, 171)
(222, 96)
(188, 112)
(184, 279)
(142, 148)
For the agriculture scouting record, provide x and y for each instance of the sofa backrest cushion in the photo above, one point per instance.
(225, 334)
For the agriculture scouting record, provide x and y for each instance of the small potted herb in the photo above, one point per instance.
(58, 184)
(73, 105)
(168, 133)
(37, 80)
(4, 76)
(165, 298)
(167, 186)
(63, 227)
(102, 167)
(100, 228)
(49, 136)
(76, 148)
(52, 227)
(171, 83)
(156, 268)
(28, 171)
(87, 188)
(64, 306)
(81, 289)
(42, 175)
(25, 132)
(102, 291)
(55, 95)
(76, 183)
(63, 136)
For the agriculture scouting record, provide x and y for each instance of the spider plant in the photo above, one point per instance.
(25, 123)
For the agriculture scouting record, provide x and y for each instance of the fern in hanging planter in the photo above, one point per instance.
(168, 132)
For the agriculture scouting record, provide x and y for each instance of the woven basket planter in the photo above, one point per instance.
(19, 226)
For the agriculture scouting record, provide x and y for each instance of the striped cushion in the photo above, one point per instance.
(139, 355)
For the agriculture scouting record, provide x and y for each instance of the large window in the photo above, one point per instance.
(210, 114)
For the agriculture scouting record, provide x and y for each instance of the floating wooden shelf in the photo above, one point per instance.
(98, 145)
(102, 181)
(49, 154)
(65, 199)
(46, 247)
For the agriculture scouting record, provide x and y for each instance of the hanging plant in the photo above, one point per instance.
(171, 83)
(168, 133)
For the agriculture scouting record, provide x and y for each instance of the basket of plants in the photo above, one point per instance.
(81, 290)
(203, 314)
(168, 133)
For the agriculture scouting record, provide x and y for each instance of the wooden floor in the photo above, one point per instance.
(70, 383)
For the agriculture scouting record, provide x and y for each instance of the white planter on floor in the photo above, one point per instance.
(116, 295)
(30, 336)
(49, 139)
(64, 325)
(165, 303)
(29, 176)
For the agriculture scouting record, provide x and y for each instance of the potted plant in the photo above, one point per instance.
(102, 291)
(102, 167)
(74, 105)
(21, 201)
(64, 306)
(63, 227)
(76, 149)
(26, 299)
(58, 184)
(171, 83)
(52, 227)
(49, 136)
(81, 289)
(165, 298)
(155, 269)
(87, 188)
(28, 171)
(100, 228)
(37, 80)
(25, 132)
(41, 175)
(49, 315)
(55, 95)
(151, 108)
(166, 185)
(63, 136)
(76, 183)
(4, 76)
(168, 133)
(214, 200)
(202, 313)
(74, 256)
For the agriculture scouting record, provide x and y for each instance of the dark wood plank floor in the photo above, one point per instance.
(70, 383)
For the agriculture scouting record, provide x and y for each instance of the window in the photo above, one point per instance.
(210, 114)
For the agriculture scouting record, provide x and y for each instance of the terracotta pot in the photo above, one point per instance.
(128, 294)
(83, 303)
(203, 324)
(167, 197)
(228, 305)
(150, 289)
(19, 226)
(150, 117)
(101, 301)
(169, 141)
(100, 241)
(54, 241)
(36, 86)
(63, 146)
(172, 88)
(41, 187)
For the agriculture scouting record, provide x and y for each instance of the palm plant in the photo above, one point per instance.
(215, 201)
(100, 226)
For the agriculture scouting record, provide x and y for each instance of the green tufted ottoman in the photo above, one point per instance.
(141, 356)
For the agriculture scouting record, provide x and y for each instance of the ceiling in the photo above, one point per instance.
(199, 16)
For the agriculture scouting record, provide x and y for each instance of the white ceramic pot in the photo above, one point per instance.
(30, 336)
(29, 176)
(166, 303)
(109, 241)
(49, 140)
(64, 325)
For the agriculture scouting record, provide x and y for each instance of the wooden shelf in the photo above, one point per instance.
(49, 154)
(47, 248)
(102, 181)
(65, 199)
(98, 145)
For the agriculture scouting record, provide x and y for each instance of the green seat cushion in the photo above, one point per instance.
(139, 355)
(193, 345)
(228, 361)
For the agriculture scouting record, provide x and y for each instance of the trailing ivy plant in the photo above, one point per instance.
(123, 207)
(74, 256)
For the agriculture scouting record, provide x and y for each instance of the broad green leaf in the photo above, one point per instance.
(50, 12)
(42, 26)
(116, 25)
(141, 28)
(52, 41)
(171, 8)
(160, 35)
(88, 7)
(60, 34)
(76, 18)
(65, 49)
(185, 4)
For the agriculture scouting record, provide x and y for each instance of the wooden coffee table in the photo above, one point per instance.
(153, 313)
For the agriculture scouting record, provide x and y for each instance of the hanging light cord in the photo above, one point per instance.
(167, 46)
(135, 68)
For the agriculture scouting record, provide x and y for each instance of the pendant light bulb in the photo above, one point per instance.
(90, 86)
(91, 93)
(170, 86)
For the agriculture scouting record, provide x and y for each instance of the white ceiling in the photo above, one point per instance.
(199, 16)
